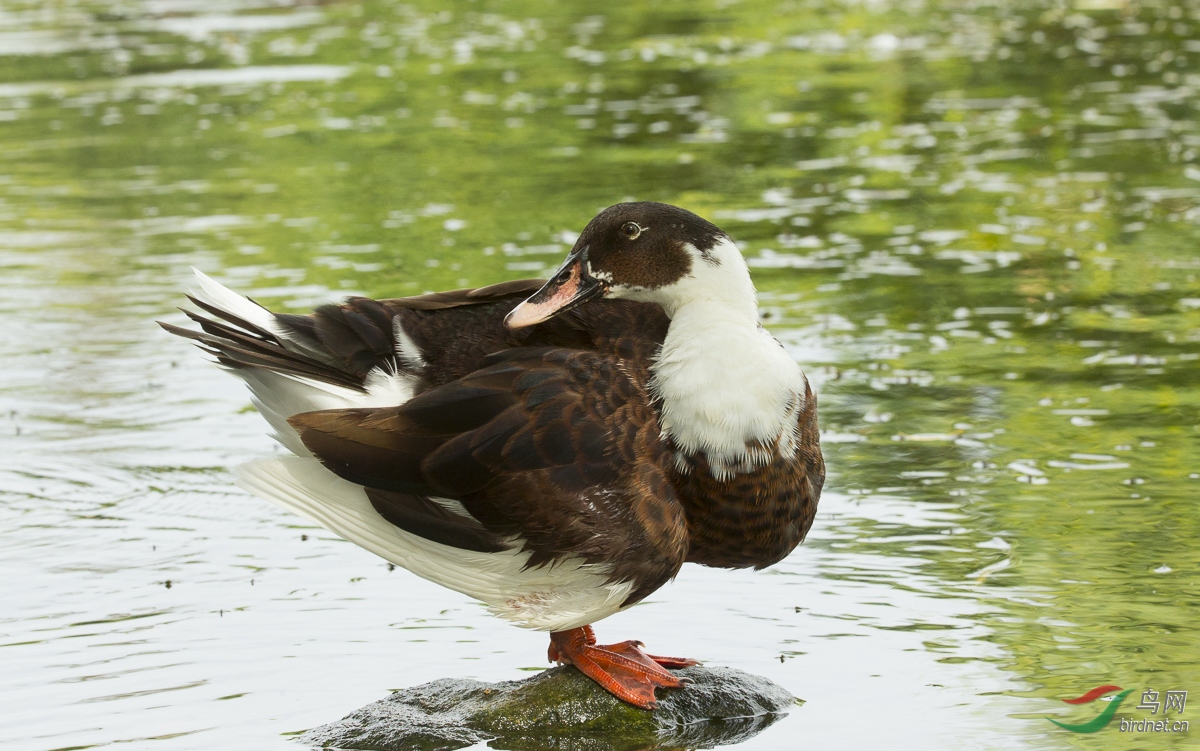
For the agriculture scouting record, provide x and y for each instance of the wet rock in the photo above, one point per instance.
(560, 710)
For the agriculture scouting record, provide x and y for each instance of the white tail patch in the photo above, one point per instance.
(565, 595)
(279, 396)
(221, 297)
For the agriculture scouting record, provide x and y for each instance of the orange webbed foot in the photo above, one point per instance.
(622, 669)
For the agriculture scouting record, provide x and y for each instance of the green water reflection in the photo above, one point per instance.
(985, 215)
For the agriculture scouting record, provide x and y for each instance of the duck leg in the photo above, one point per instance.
(621, 669)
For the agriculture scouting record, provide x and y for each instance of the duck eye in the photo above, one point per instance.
(631, 230)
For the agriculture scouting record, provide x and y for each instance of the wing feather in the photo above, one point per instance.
(421, 516)
(528, 446)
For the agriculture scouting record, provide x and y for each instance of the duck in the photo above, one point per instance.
(556, 449)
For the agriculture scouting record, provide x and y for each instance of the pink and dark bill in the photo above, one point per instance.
(567, 289)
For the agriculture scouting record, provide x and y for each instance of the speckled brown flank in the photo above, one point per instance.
(757, 518)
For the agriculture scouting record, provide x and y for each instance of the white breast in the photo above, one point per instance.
(726, 387)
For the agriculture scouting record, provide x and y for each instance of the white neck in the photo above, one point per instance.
(723, 281)
(728, 388)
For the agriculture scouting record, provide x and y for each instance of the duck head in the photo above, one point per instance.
(644, 251)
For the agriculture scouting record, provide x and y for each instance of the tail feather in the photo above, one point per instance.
(283, 363)
(239, 323)
(278, 396)
(239, 310)
(242, 334)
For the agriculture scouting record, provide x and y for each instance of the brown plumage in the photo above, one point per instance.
(540, 429)
(581, 417)
(756, 518)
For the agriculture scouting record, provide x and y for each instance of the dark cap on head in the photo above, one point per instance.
(629, 246)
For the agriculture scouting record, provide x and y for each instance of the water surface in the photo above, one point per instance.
(974, 223)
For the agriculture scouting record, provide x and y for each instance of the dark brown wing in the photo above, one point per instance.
(455, 341)
(342, 343)
(451, 332)
(360, 334)
(559, 448)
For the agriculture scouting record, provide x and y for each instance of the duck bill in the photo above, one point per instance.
(569, 288)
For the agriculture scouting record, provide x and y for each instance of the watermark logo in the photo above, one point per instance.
(1172, 700)
(1100, 721)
